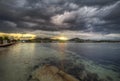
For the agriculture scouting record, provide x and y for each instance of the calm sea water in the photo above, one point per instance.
(19, 61)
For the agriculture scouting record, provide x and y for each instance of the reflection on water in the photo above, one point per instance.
(15, 62)
(80, 60)
(61, 48)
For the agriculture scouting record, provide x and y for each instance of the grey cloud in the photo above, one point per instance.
(7, 25)
(58, 15)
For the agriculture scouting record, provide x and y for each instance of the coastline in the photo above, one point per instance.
(6, 45)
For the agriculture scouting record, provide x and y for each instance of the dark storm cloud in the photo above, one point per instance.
(56, 15)
(11, 26)
(95, 2)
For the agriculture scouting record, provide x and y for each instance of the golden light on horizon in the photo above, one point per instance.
(30, 36)
(19, 35)
(63, 38)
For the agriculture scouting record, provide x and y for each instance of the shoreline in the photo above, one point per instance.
(6, 45)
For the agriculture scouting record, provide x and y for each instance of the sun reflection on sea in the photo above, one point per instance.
(62, 48)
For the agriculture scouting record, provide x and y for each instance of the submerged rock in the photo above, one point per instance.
(109, 78)
(51, 73)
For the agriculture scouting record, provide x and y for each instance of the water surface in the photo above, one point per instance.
(19, 61)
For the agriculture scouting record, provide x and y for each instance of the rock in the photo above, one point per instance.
(83, 75)
(35, 67)
(51, 73)
(76, 70)
(51, 61)
(109, 78)
(91, 77)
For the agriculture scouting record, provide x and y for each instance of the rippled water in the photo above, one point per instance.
(19, 61)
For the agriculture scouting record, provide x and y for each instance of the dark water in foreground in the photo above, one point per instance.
(101, 59)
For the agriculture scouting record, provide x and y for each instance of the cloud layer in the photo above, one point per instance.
(98, 16)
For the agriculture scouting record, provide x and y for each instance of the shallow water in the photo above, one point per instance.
(19, 61)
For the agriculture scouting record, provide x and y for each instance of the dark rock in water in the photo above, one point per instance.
(76, 70)
(52, 61)
(119, 76)
(35, 67)
(109, 78)
(87, 76)
(67, 63)
(34, 80)
(29, 78)
(101, 80)
(92, 76)
(82, 75)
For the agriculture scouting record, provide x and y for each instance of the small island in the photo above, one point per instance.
(73, 40)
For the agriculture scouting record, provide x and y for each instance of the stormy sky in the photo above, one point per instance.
(90, 19)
